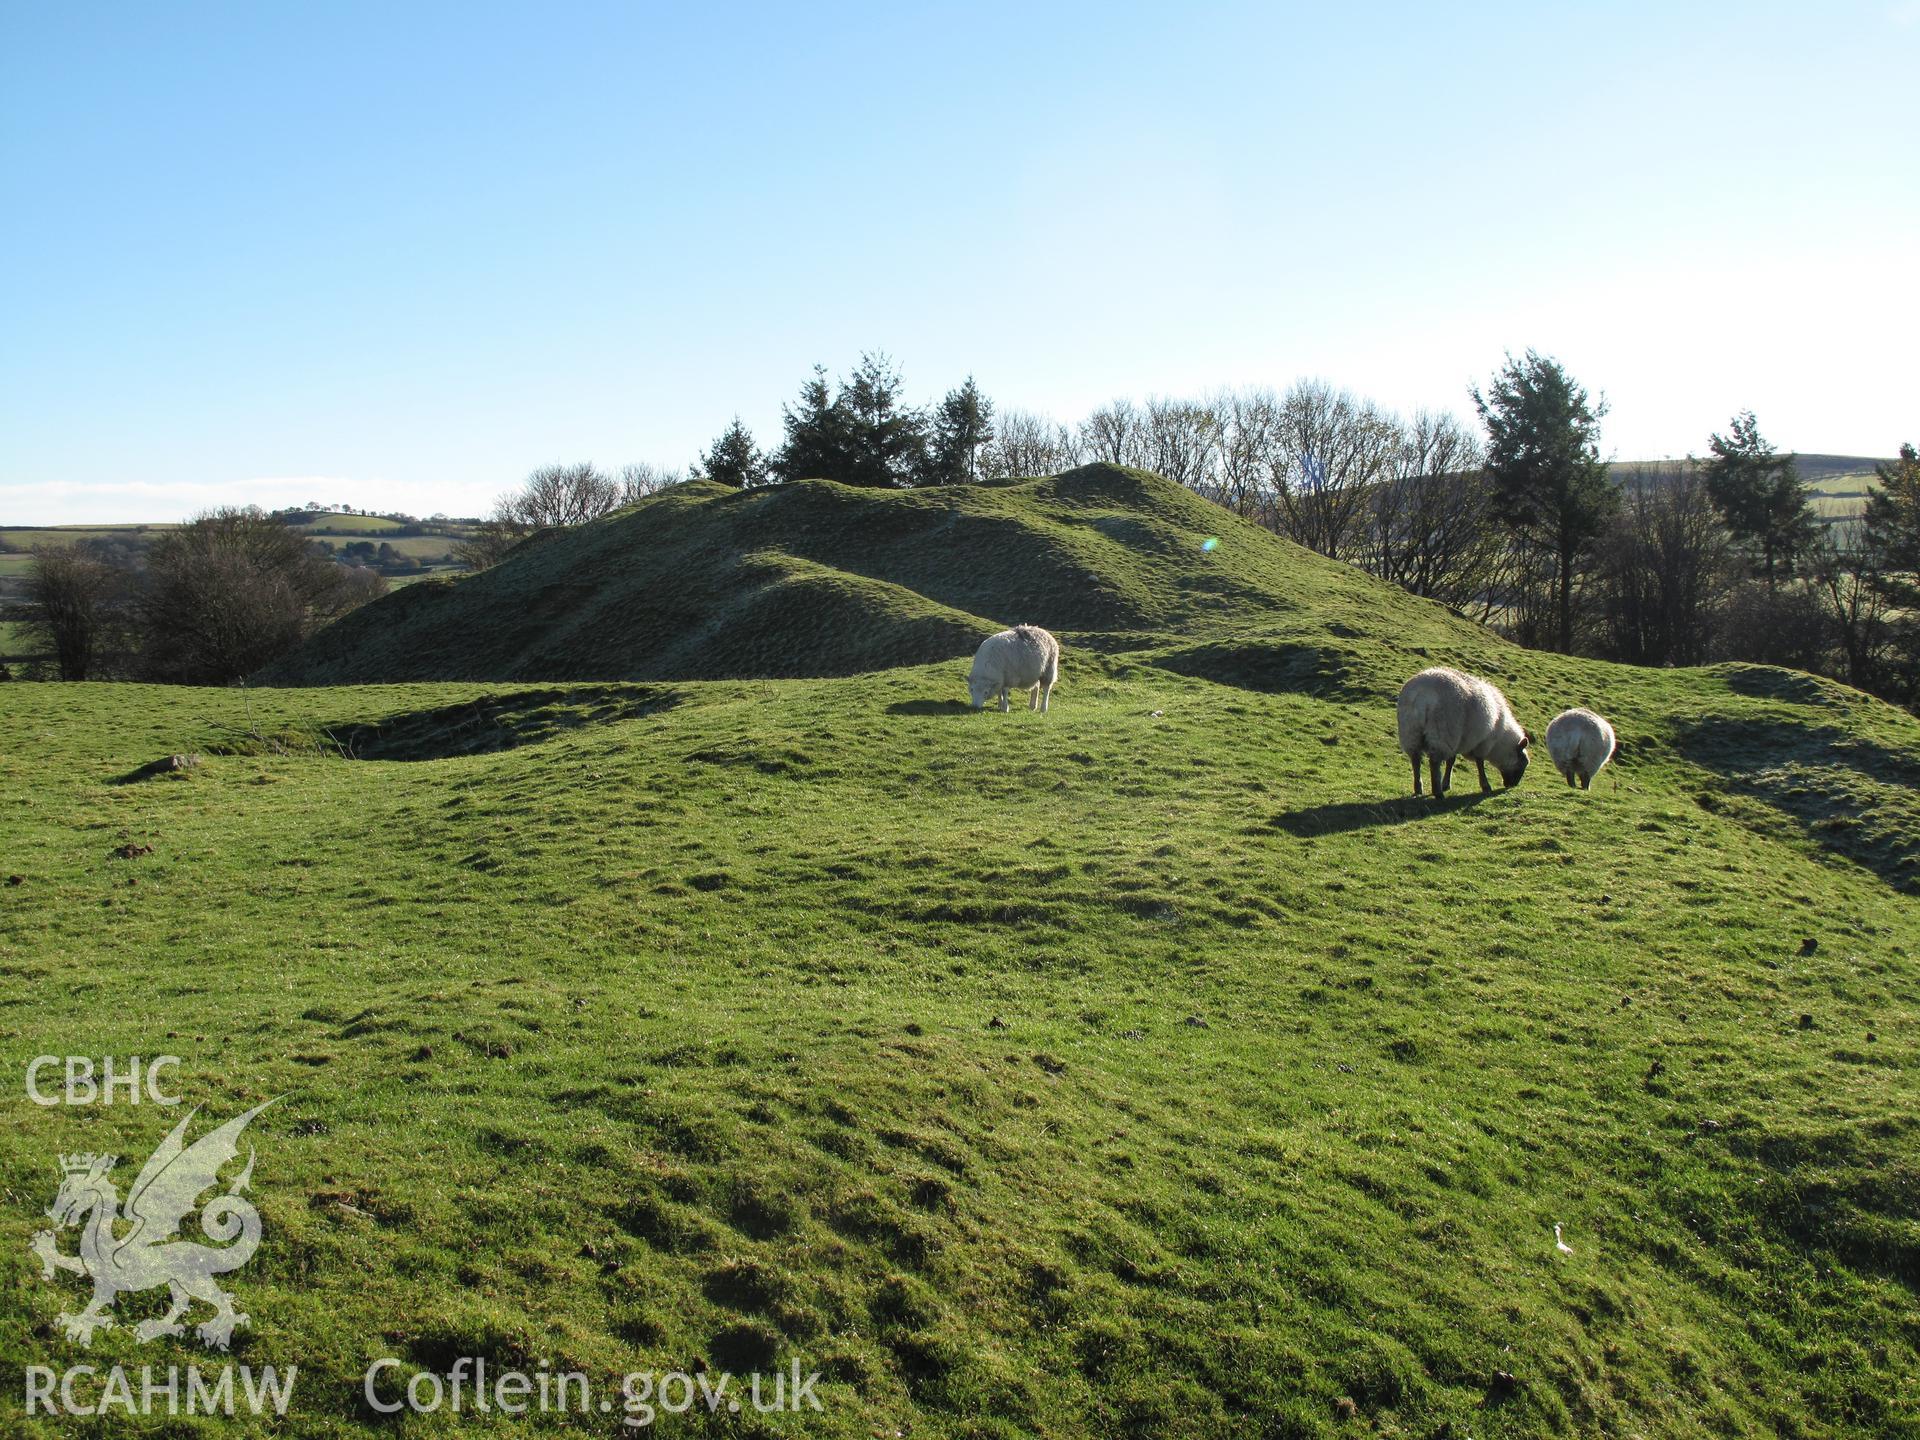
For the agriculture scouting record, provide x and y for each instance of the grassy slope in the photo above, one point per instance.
(820, 1017)
(706, 582)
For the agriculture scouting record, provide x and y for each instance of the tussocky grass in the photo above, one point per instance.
(1155, 1066)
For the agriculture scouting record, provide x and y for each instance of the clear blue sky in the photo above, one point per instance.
(398, 254)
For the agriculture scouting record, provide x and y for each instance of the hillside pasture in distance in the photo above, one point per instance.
(333, 522)
(332, 530)
(429, 541)
(1843, 496)
(1840, 484)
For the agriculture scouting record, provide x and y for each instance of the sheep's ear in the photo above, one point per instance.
(1526, 737)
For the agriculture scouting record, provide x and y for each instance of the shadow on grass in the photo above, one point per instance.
(165, 765)
(1348, 815)
(1270, 668)
(1846, 793)
(1770, 683)
(493, 723)
(929, 707)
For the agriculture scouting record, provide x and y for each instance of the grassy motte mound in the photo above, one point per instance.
(704, 582)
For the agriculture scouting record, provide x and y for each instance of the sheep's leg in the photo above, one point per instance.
(1485, 788)
(1416, 774)
(1005, 704)
(1446, 776)
(1585, 783)
(1570, 777)
(1033, 696)
(1436, 782)
(1046, 695)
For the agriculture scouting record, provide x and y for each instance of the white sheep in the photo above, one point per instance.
(1444, 714)
(1023, 658)
(1580, 743)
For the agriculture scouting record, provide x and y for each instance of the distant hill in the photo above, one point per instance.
(817, 578)
(1816, 470)
(1841, 483)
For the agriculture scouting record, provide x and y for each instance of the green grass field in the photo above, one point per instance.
(372, 526)
(1154, 1066)
(26, 537)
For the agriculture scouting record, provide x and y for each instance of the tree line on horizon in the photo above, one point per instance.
(1516, 522)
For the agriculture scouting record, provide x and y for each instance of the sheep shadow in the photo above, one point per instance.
(153, 769)
(929, 707)
(1346, 815)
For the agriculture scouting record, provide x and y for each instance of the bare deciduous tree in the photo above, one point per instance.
(638, 481)
(1179, 439)
(77, 606)
(1431, 526)
(1663, 566)
(1247, 424)
(233, 589)
(1846, 578)
(1334, 449)
(555, 495)
(1114, 435)
(1027, 444)
(560, 495)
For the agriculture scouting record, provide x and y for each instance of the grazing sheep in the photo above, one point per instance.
(1444, 714)
(1023, 658)
(1580, 743)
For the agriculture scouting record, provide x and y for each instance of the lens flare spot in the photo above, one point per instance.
(1211, 543)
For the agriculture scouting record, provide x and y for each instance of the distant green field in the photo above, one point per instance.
(1862, 484)
(1818, 470)
(362, 524)
(25, 537)
(1840, 483)
(423, 547)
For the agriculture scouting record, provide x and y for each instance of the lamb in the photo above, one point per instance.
(1580, 743)
(1444, 714)
(1023, 658)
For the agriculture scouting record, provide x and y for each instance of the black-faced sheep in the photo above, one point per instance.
(1445, 714)
(1580, 743)
(1023, 658)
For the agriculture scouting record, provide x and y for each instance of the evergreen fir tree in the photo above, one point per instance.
(734, 459)
(1760, 496)
(819, 443)
(962, 425)
(1543, 453)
